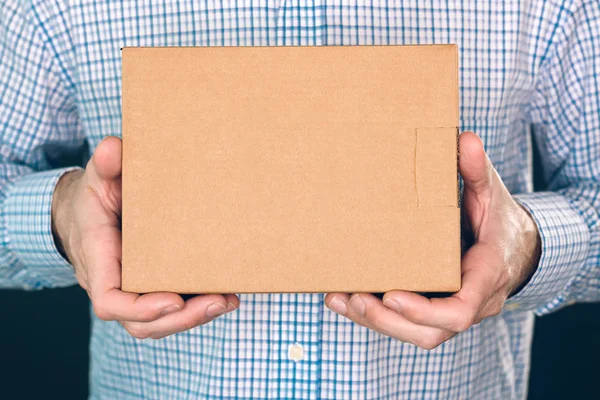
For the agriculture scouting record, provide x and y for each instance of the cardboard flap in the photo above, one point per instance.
(436, 169)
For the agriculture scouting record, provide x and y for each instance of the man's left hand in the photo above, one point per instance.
(504, 255)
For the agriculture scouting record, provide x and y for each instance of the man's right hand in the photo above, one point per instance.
(86, 222)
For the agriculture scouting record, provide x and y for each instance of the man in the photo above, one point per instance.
(525, 66)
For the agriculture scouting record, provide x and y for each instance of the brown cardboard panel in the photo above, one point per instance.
(290, 169)
(436, 149)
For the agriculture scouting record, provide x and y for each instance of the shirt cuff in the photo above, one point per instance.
(565, 244)
(29, 231)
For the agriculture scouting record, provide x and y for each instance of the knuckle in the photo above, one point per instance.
(137, 332)
(463, 323)
(157, 336)
(431, 339)
(429, 345)
(147, 315)
(101, 311)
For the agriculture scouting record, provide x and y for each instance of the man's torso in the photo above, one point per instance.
(247, 354)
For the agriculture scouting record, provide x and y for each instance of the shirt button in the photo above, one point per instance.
(296, 352)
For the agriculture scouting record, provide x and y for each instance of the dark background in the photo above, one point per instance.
(44, 340)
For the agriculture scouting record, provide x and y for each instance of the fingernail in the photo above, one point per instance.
(230, 307)
(215, 309)
(357, 304)
(393, 304)
(338, 306)
(170, 309)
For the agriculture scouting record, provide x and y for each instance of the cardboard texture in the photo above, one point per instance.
(290, 169)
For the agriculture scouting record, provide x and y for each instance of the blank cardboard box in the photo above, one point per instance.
(290, 169)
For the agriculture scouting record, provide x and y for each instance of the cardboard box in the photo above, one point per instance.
(290, 169)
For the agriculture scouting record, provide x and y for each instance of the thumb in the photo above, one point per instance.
(473, 164)
(106, 161)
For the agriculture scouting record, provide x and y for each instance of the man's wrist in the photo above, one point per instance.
(61, 209)
(532, 241)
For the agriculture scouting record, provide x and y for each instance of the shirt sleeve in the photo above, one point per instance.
(566, 120)
(39, 129)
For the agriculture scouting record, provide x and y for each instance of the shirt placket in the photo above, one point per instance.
(297, 350)
(299, 327)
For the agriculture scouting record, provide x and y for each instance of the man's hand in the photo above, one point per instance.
(86, 222)
(504, 255)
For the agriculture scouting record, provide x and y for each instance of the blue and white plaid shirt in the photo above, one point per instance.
(525, 66)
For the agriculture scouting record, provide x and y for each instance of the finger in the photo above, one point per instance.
(197, 311)
(367, 310)
(102, 248)
(457, 312)
(117, 305)
(338, 302)
(106, 160)
(473, 163)
(103, 176)
(110, 303)
(233, 302)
